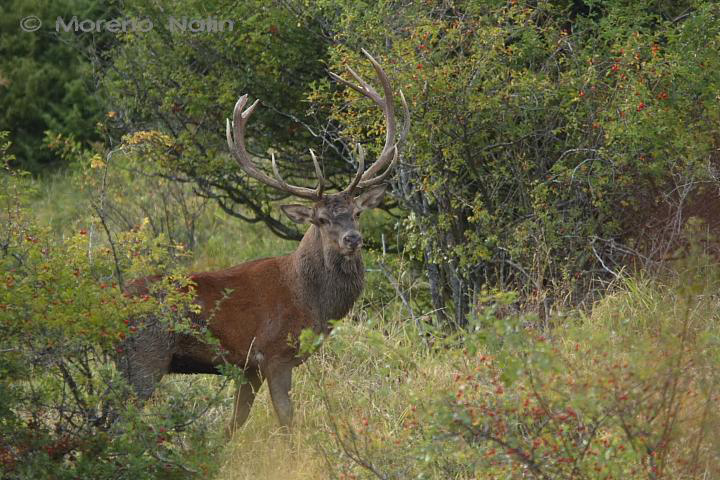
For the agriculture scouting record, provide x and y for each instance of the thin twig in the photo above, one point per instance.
(396, 285)
(100, 210)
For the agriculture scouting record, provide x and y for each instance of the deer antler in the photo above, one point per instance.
(389, 155)
(236, 129)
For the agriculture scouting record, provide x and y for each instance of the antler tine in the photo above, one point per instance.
(318, 174)
(389, 109)
(388, 157)
(364, 89)
(395, 149)
(236, 129)
(358, 175)
(379, 178)
(279, 177)
(406, 116)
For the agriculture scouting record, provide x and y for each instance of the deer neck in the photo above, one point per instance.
(329, 282)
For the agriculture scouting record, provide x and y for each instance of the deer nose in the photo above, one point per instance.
(352, 240)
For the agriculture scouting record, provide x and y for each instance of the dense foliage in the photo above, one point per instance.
(628, 391)
(546, 137)
(555, 146)
(552, 143)
(63, 316)
(46, 78)
(189, 90)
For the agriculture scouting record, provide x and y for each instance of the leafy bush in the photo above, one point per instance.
(46, 79)
(553, 142)
(627, 391)
(189, 90)
(63, 317)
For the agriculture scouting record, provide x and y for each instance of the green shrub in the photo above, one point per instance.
(552, 142)
(46, 78)
(65, 410)
(627, 391)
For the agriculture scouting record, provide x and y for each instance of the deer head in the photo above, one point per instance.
(334, 215)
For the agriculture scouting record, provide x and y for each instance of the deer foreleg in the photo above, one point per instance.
(279, 378)
(244, 397)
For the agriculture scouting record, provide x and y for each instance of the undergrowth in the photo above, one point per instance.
(626, 389)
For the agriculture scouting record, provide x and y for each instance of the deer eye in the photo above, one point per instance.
(323, 221)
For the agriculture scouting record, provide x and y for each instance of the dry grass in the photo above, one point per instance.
(356, 377)
(363, 389)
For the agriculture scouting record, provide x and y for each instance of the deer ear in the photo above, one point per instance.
(371, 198)
(298, 213)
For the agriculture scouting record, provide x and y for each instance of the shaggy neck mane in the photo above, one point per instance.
(330, 282)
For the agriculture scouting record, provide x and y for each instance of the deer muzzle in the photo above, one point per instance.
(352, 241)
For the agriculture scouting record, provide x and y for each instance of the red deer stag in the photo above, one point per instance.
(273, 299)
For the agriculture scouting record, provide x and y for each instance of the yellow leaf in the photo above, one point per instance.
(97, 161)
